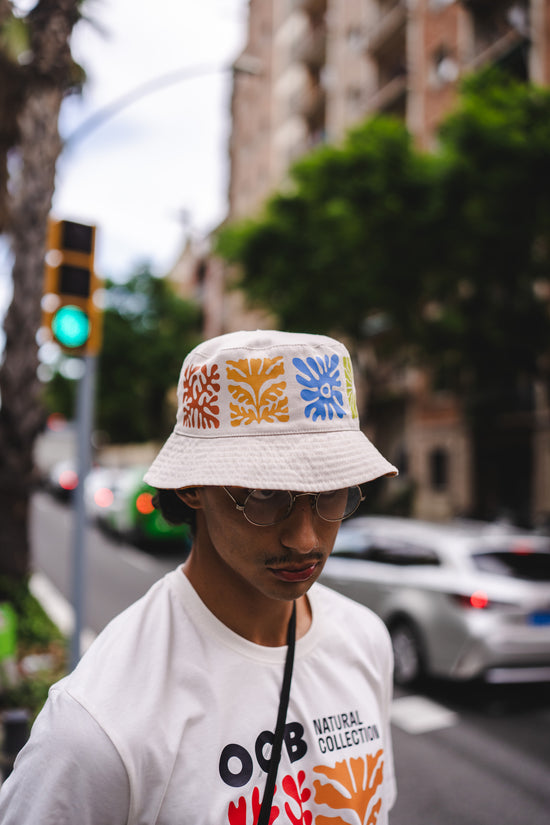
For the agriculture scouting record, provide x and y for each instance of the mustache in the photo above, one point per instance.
(294, 560)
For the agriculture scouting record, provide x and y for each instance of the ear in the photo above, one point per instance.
(190, 496)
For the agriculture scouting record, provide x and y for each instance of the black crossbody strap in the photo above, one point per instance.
(269, 790)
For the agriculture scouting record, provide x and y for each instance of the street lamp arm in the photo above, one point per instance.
(104, 114)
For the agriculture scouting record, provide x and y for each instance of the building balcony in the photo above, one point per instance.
(311, 49)
(313, 7)
(391, 96)
(309, 103)
(390, 26)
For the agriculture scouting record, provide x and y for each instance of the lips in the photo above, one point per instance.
(292, 574)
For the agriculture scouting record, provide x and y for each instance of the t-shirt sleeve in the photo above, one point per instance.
(69, 771)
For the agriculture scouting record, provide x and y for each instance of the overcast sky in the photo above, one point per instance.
(163, 160)
(161, 164)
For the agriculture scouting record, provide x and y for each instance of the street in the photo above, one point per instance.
(465, 755)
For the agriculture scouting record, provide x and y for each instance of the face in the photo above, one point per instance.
(279, 562)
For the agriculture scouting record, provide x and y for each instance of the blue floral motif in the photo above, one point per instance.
(321, 378)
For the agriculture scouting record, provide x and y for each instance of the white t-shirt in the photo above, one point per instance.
(167, 720)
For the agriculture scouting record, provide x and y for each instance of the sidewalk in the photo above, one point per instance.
(58, 609)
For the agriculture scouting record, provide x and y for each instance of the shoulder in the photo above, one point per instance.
(82, 776)
(340, 607)
(351, 624)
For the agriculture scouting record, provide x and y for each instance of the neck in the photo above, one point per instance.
(253, 616)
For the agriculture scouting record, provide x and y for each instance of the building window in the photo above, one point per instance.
(444, 68)
(439, 468)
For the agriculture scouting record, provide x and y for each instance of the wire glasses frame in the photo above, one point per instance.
(264, 508)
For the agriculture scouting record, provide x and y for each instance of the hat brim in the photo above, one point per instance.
(314, 462)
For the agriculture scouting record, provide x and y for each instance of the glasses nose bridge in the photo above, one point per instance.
(312, 500)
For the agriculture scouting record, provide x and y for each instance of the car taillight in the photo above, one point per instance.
(144, 504)
(478, 599)
(103, 497)
(68, 480)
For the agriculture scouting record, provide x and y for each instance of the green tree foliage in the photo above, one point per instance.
(147, 332)
(490, 327)
(448, 252)
(350, 235)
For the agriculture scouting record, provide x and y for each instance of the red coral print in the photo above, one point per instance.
(200, 394)
(360, 779)
(237, 813)
(299, 796)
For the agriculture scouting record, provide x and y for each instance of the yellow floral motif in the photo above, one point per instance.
(348, 372)
(259, 396)
(359, 780)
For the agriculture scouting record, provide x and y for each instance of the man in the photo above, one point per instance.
(170, 717)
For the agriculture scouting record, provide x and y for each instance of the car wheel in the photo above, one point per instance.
(407, 653)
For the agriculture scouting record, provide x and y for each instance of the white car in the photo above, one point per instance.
(461, 601)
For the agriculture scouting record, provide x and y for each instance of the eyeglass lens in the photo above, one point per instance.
(265, 507)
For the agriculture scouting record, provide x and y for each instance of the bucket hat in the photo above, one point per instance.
(269, 410)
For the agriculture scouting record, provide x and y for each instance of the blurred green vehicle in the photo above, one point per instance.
(132, 516)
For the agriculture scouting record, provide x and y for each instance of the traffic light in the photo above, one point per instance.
(70, 311)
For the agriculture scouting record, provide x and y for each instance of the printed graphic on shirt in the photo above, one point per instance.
(321, 379)
(200, 396)
(341, 792)
(258, 393)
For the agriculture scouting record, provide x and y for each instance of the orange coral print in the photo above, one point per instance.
(258, 393)
(352, 786)
(200, 394)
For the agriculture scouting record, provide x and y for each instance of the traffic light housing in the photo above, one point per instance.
(70, 311)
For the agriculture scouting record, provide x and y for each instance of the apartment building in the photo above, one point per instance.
(325, 65)
(328, 64)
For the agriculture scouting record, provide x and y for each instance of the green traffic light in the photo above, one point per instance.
(71, 326)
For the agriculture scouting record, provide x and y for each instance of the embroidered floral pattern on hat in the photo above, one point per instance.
(321, 378)
(348, 373)
(200, 396)
(258, 394)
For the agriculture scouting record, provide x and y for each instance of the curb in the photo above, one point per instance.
(58, 608)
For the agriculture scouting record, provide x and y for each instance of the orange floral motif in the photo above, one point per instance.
(200, 394)
(259, 396)
(352, 786)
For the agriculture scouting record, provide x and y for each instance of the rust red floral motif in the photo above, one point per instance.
(237, 814)
(299, 795)
(200, 395)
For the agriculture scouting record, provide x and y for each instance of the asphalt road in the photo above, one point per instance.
(116, 573)
(464, 755)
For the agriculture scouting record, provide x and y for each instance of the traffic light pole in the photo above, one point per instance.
(84, 423)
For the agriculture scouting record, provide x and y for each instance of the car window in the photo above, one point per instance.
(531, 565)
(369, 548)
(402, 554)
(350, 545)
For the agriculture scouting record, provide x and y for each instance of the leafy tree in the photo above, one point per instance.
(147, 331)
(353, 232)
(447, 253)
(489, 334)
(36, 72)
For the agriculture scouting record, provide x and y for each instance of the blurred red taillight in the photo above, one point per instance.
(478, 599)
(68, 480)
(103, 497)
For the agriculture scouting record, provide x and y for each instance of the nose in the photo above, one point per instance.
(299, 530)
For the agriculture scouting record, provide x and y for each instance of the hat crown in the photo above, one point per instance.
(264, 383)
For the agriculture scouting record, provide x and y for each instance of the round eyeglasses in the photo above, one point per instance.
(266, 507)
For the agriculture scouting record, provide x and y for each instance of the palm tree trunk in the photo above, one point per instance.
(29, 203)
